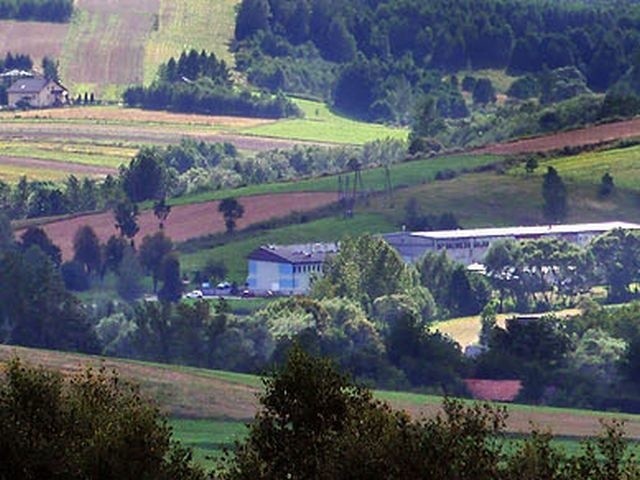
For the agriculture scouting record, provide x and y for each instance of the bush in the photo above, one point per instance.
(91, 425)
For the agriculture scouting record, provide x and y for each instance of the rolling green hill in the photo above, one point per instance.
(208, 408)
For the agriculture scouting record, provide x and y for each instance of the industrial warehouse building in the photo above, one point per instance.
(470, 246)
(287, 269)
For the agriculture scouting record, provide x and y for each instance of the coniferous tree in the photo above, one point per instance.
(554, 195)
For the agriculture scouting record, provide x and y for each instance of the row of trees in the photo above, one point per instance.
(199, 83)
(40, 10)
(192, 166)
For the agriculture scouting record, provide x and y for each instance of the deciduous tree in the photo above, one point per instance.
(231, 210)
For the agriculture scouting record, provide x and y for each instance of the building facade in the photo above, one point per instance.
(470, 246)
(37, 92)
(287, 269)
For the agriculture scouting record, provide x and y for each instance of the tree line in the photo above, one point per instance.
(157, 173)
(199, 83)
(40, 10)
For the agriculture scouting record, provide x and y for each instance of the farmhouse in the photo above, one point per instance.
(37, 92)
(470, 246)
(287, 269)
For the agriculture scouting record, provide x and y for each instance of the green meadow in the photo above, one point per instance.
(320, 124)
(404, 174)
(589, 167)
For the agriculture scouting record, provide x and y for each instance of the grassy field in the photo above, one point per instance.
(405, 174)
(207, 437)
(199, 24)
(12, 174)
(489, 199)
(588, 168)
(320, 124)
(234, 254)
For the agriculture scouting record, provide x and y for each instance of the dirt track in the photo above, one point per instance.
(584, 136)
(66, 167)
(188, 221)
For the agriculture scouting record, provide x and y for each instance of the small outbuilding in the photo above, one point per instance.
(37, 92)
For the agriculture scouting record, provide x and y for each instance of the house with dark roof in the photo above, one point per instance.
(37, 92)
(287, 269)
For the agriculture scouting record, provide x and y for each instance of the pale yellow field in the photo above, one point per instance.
(466, 330)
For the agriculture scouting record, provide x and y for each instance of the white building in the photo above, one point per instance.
(470, 246)
(287, 269)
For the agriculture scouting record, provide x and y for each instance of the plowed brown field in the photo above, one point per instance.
(189, 221)
(199, 393)
(110, 41)
(36, 39)
(585, 136)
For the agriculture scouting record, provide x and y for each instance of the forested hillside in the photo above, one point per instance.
(376, 59)
(41, 10)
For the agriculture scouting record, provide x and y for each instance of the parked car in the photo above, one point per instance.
(195, 294)
(246, 293)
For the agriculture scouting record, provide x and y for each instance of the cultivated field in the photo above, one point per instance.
(188, 221)
(13, 168)
(607, 132)
(37, 39)
(208, 394)
(105, 44)
(321, 125)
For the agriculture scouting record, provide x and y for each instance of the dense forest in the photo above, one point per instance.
(40, 10)
(378, 59)
(200, 83)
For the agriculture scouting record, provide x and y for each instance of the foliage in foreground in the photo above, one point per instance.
(315, 424)
(91, 425)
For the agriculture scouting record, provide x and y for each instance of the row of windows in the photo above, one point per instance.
(462, 244)
(307, 268)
